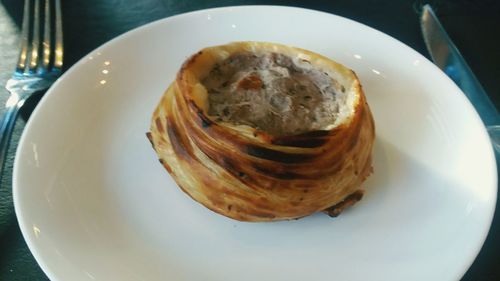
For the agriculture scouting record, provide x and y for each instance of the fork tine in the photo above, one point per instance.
(23, 55)
(58, 62)
(35, 42)
(46, 37)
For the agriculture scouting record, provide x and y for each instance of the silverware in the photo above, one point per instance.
(39, 63)
(447, 57)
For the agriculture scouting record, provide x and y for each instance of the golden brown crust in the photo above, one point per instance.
(247, 174)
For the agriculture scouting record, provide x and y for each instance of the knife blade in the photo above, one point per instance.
(447, 57)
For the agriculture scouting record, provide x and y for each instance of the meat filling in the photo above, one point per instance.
(273, 93)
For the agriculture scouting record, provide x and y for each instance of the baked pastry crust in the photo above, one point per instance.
(249, 175)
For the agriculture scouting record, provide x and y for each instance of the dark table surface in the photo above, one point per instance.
(473, 25)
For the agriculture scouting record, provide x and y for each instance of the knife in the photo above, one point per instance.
(447, 57)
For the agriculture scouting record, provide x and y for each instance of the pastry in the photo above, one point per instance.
(260, 131)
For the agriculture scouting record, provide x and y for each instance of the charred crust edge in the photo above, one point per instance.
(350, 200)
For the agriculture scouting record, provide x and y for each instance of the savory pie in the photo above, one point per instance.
(261, 131)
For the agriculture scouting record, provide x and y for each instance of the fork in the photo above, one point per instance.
(39, 64)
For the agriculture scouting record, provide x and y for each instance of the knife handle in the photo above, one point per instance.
(458, 70)
(494, 132)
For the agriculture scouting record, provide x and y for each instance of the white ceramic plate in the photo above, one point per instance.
(93, 202)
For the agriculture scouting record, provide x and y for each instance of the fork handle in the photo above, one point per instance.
(6, 127)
